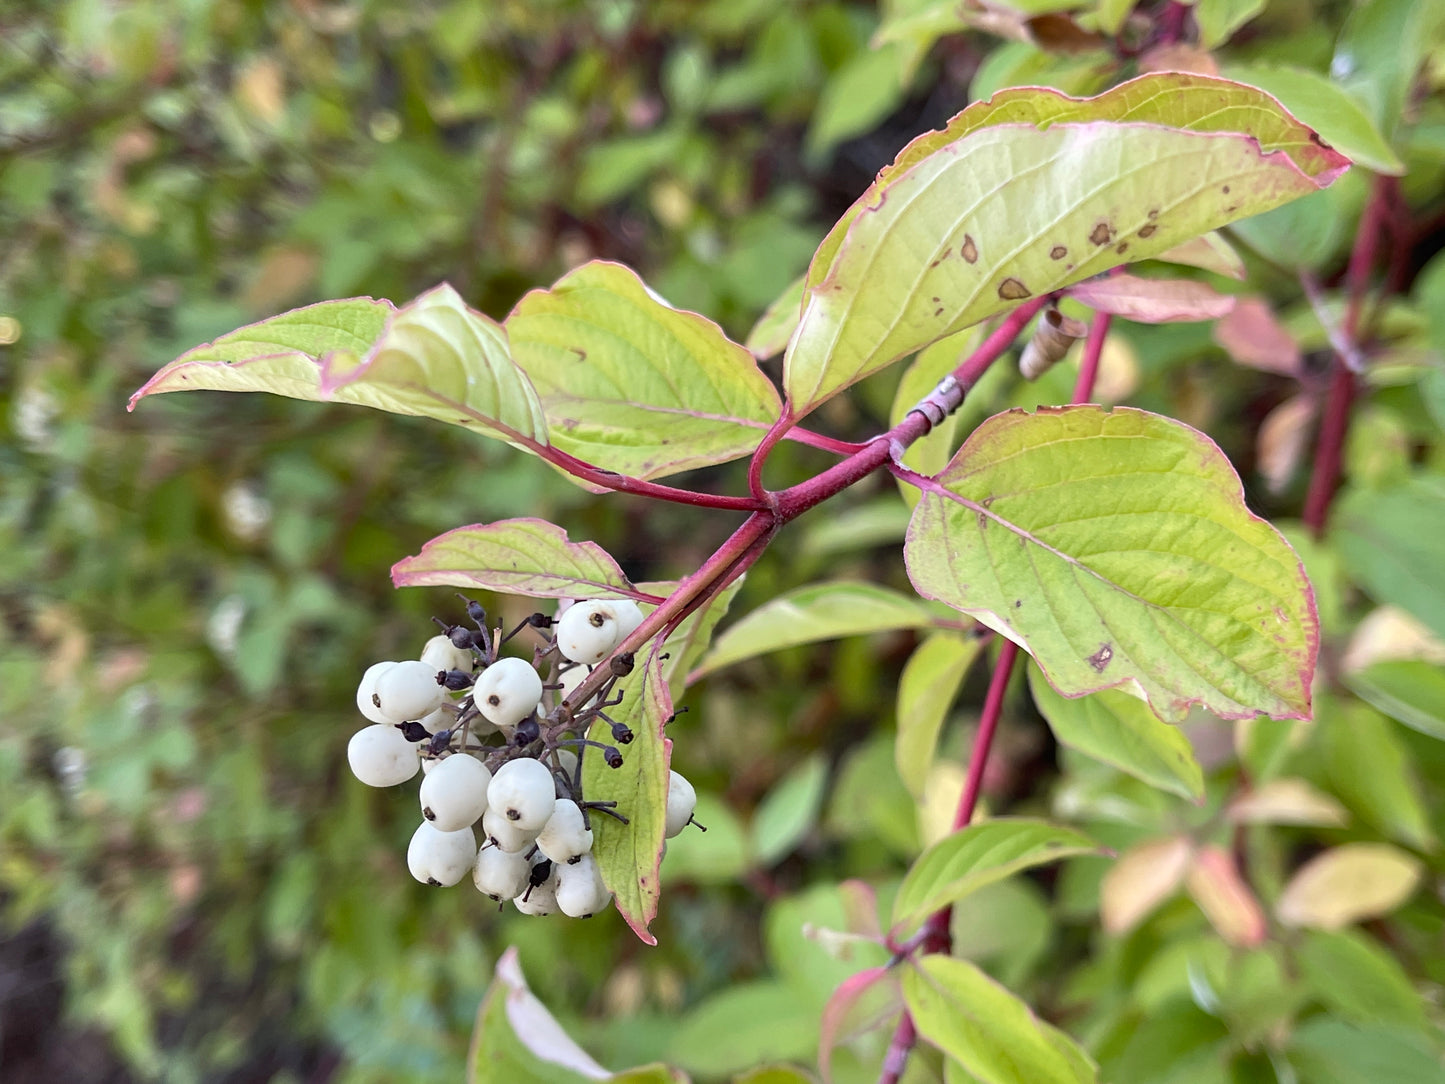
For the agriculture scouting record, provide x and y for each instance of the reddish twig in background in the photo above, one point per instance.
(1335, 423)
(936, 936)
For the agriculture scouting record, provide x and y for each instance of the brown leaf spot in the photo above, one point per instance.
(1102, 234)
(982, 520)
(1225, 190)
(1013, 290)
(1018, 602)
(969, 251)
(1123, 247)
(1100, 659)
(1154, 213)
(1147, 231)
(938, 311)
(1058, 252)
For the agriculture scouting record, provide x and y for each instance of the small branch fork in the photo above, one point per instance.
(935, 935)
(770, 510)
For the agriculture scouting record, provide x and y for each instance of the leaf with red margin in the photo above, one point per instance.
(633, 385)
(517, 557)
(433, 358)
(1029, 192)
(841, 1014)
(1152, 301)
(1116, 548)
(628, 855)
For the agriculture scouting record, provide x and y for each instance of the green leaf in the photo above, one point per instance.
(989, 1031)
(930, 680)
(976, 856)
(518, 557)
(1370, 770)
(774, 1074)
(1347, 884)
(518, 1041)
(1119, 729)
(947, 236)
(743, 1025)
(789, 811)
(1116, 548)
(823, 611)
(656, 1073)
(433, 358)
(690, 639)
(1393, 543)
(629, 855)
(1329, 1051)
(769, 336)
(856, 97)
(633, 385)
(1219, 19)
(1379, 52)
(1327, 109)
(1356, 978)
(1405, 689)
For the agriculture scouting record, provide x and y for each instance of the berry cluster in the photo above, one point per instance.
(494, 747)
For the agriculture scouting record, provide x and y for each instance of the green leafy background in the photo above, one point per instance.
(192, 888)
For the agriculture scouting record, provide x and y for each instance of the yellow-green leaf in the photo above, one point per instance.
(1024, 194)
(1116, 548)
(930, 680)
(633, 385)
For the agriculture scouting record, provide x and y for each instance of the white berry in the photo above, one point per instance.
(569, 679)
(440, 858)
(454, 794)
(441, 654)
(681, 801)
(565, 837)
(504, 835)
(580, 891)
(629, 616)
(589, 631)
(508, 691)
(367, 689)
(499, 874)
(408, 690)
(523, 791)
(539, 899)
(381, 757)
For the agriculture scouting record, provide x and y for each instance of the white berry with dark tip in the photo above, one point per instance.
(435, 857)
(504, 835)
(441, 654)
(454, 793)
(523, 792)
(380, 756)
(565, 837)
(580, 891)
(367, 689)
(499, 874)
(508, 691)
(590, 630)
(539, 899)
(681, 802)
(408, 690)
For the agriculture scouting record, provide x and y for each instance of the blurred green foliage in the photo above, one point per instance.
(191, 592)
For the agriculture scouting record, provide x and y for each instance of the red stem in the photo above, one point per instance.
(1093, 350)
(1335, 425)
(935, 935)
(621, 483)
(747, 543)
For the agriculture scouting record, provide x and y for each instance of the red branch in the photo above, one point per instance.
(750, 540)
(935, 935)
(1335, 424)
